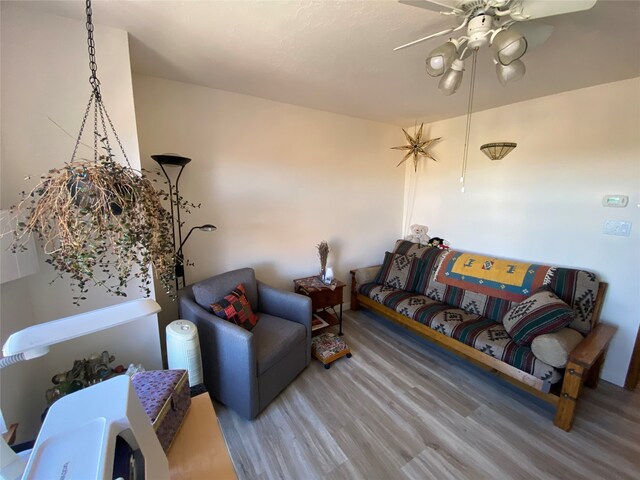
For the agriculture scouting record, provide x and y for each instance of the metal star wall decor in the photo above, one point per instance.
(416, 147)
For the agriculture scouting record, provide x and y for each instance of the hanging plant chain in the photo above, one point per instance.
(93, 66)
(100, 222)
(100, 130)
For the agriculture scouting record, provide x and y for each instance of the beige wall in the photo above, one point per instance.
(544, 201)
(44, 73)
(275, 179)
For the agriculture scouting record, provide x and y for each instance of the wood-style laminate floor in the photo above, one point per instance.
(401, 408)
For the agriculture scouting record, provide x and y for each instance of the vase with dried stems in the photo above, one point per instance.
(323, 254)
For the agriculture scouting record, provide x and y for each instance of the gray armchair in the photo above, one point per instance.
(246, 370)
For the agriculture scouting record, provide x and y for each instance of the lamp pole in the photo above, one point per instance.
(175, 160)
(207, 227)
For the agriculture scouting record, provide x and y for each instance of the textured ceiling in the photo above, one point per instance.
(338, 55)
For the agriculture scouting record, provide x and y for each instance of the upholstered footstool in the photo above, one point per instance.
(328, 347)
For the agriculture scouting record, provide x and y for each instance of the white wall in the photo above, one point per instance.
(44, 73)
(543, 201)
(276, 179)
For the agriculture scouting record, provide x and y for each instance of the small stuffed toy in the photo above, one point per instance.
(418, 234)
(439, 243)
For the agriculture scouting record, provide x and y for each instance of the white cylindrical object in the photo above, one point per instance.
(183, 349)
(328, 276)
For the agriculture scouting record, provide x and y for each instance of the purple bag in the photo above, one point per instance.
(165, 396)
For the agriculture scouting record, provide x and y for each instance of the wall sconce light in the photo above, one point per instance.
(497, 150)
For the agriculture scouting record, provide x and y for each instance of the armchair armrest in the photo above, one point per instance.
(595, 343)
(288, 305)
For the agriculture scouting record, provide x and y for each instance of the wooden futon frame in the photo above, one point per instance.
(584, 365)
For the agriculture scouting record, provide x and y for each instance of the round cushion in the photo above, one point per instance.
(554, 348)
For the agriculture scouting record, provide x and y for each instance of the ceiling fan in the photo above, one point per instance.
(489, 23)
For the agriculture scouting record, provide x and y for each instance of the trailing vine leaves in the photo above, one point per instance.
(100, 223)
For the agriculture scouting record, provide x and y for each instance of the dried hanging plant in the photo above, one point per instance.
(100, 222)
(323, 254)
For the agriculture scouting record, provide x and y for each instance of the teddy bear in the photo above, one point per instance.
(418, 234)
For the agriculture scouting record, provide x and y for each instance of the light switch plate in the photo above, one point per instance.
(619, 201)
(617, 227)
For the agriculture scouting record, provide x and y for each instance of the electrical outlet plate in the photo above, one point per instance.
(617, 227)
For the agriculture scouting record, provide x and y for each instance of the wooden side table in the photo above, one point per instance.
(199, 450)
(324, 299)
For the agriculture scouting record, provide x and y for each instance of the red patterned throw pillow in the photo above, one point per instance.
(236, 308)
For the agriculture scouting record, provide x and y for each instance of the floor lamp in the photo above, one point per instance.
(174, 160)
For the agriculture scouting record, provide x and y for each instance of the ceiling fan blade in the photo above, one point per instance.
(532, 9)
(444, 32)
(433, 5)
(536, 33)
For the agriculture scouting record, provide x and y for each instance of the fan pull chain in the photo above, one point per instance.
(468, 128)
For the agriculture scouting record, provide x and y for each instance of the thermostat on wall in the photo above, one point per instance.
(615, 200)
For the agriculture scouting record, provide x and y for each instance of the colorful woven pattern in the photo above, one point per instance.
(399, 271)
(506, 279)
(472, 302)
(236, 308)
(428, 257)
(578, 289)
(472, 329)
(491, 338)
(327, 345)
(543, 312)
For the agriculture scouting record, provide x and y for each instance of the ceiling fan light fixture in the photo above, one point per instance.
(510, 73)
(497, 150)
(509, 46)
(440, 59)
(452, 78)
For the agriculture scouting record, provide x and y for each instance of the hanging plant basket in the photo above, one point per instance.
(99, 221)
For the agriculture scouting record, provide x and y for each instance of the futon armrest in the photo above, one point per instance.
(365, 275)
(288, 305)
(594, 344)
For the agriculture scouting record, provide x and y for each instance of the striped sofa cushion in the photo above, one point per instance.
(399, 271)
(540, 313)
(428, 257)
(491, 338)
(577, 288)
(472, 329)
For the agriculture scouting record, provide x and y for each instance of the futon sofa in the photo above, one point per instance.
(534, 325)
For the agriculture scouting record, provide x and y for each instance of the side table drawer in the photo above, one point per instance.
(326, 298)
